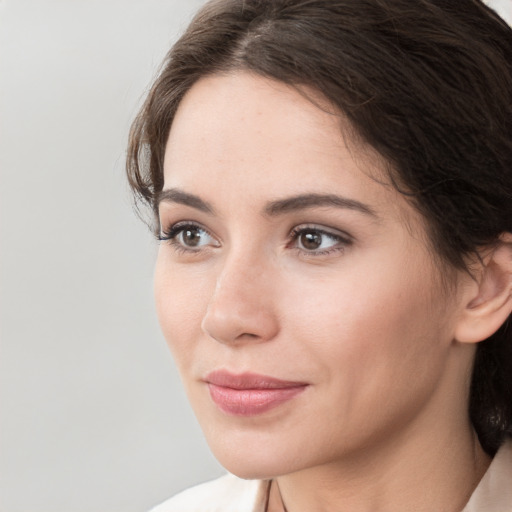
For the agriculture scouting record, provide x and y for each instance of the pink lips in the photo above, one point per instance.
(249, 394)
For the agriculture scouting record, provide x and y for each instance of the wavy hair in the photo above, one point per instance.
(426, 83)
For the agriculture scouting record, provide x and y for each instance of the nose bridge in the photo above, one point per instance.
(239, 271)
(242, 304)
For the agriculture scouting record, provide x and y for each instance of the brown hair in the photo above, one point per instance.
(427, 83)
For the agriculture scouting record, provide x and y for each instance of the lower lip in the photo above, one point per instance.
(250, 402)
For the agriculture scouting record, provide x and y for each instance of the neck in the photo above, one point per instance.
(440, 479)
(422, 469)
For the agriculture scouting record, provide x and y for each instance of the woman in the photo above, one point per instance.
(332, 184)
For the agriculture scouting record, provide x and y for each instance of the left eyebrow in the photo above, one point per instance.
(175, 195)
(305, 201)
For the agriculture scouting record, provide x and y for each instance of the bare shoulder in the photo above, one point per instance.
(225, 494)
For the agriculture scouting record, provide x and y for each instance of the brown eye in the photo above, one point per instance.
(191, 237)
(188, 237)
(310, 240)
(318, 241)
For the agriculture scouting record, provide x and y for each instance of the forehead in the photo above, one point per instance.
(266, 139)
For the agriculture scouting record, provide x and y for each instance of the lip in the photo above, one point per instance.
(250, 394)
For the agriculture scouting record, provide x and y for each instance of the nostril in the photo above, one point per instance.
(248, 335)
(240, 326)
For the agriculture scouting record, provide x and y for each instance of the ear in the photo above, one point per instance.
(488, 301)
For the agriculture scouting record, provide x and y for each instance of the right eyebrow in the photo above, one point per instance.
(305, 201)
(175, 195)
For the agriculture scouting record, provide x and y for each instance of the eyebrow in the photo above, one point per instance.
(174, 195)
(274, 208)
(305, 201)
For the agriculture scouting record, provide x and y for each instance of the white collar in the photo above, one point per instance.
(494, 492)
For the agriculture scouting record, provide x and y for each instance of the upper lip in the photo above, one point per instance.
(248, 380)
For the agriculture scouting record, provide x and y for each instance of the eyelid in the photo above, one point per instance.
(170, 234)
(343, 239)
(176, 227)
(335, 233)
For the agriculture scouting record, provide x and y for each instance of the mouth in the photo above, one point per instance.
(250, 394)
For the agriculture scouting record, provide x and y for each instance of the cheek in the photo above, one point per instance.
(355, 306)
(372, 331)
(181, 298)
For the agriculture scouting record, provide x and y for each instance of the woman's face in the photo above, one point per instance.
(296, 292)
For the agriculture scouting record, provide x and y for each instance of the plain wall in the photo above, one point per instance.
(93, 418)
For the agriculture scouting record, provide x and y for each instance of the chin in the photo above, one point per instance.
(248, 468)
(256, 456)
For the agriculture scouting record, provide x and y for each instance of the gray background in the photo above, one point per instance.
(93, 418)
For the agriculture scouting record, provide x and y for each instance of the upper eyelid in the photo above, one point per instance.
(172, 232)
(336, 233)
(182, 223)
(341, 243)
(292, 234)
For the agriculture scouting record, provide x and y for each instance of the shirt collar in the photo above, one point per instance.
(494, 492)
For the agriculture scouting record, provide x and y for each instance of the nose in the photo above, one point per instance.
(242, 307)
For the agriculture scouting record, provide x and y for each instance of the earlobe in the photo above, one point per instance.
(490, 298)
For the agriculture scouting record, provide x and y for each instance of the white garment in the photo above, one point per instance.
(232, 494)
(226, 494)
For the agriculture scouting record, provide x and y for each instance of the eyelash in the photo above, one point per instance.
(342, 241)
(170, 234)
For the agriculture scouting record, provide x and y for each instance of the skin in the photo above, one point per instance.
(364, 319)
